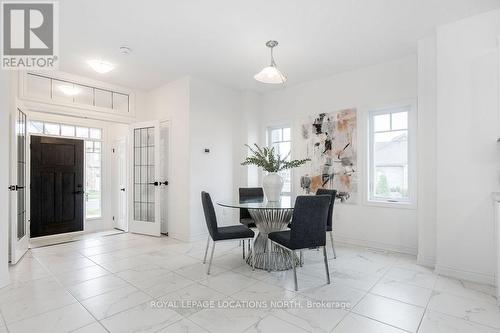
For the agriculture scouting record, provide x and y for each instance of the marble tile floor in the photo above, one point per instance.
(134, 283)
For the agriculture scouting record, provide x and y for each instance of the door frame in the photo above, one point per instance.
(165, 205)
(141, 227)
(124, 140)
(18, 247)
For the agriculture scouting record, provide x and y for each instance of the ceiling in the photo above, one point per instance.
(223, 40)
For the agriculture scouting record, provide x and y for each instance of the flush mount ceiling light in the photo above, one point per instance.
(271, 73)
(125, 50)
(101, 66)
(69, 90)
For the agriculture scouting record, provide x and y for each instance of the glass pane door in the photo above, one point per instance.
(145, 208)
(21, 174)
(144, 174)
(19, 222)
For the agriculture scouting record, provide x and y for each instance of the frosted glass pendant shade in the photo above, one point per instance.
(270, 74)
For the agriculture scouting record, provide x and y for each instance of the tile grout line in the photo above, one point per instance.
(364, 296)
(4, 322)
(77, 301)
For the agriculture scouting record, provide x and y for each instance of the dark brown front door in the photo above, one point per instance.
(56, 186)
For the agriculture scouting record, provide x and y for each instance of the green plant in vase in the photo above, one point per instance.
(271, 162)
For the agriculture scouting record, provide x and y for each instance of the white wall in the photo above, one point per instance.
(426, 136)
(4, 176)
(214, 119)
(171, 101)
(202, 115)
(248, 133)
(468, 156)
(375, 86)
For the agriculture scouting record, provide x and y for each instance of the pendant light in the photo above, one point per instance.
(271, 74)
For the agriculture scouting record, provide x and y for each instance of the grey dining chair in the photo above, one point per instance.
(219, 234)
(308, 229)
(248, 195)
(329, 221)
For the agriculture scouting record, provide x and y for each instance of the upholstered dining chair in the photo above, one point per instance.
(329, 221)
(308, 229)
(219, 234)
(248, 195)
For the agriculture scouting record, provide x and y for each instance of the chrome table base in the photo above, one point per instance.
(269, 220)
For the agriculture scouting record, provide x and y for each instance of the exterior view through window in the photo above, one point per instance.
(280, 139)
(389, 176)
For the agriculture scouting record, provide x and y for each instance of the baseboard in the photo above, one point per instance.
(426, 261)
(178, 236)
(198, 237)
(375, 244)
(465, 275)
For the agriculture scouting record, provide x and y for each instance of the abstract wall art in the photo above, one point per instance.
(330, 143)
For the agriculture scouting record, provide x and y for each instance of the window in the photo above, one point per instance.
(389, 155)
(67, 92)
(280, 139)
(93, 179)
(93, 159)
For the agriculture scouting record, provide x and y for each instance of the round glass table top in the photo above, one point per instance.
(285, 202)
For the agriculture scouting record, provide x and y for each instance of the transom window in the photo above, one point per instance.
(93, 158)
(389, 155)
(280, 139)
(58, 91)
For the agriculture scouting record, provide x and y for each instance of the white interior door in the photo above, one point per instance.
(19, 213)
(120, 181)
(164, 166)
(144, 196)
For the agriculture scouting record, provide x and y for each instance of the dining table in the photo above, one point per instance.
(268, 217)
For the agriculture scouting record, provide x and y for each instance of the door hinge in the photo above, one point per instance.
(113, 150)
(113, 218)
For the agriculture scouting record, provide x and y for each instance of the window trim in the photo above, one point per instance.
(269, 129)
(370, 200)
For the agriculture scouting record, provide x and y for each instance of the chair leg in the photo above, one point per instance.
(333, 247)
(206, 250)
(294, 271)
(326, 265)
(253, 254)
(211, 258)
(301, 259)
(268, 255)
(243, 247)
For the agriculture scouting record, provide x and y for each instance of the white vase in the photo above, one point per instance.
(272, 184)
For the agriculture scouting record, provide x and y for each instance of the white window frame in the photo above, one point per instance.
(269, 129)
(411, 202)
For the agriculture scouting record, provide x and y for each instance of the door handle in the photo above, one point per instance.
(78, 192)
(15, 188)
(155, 184)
